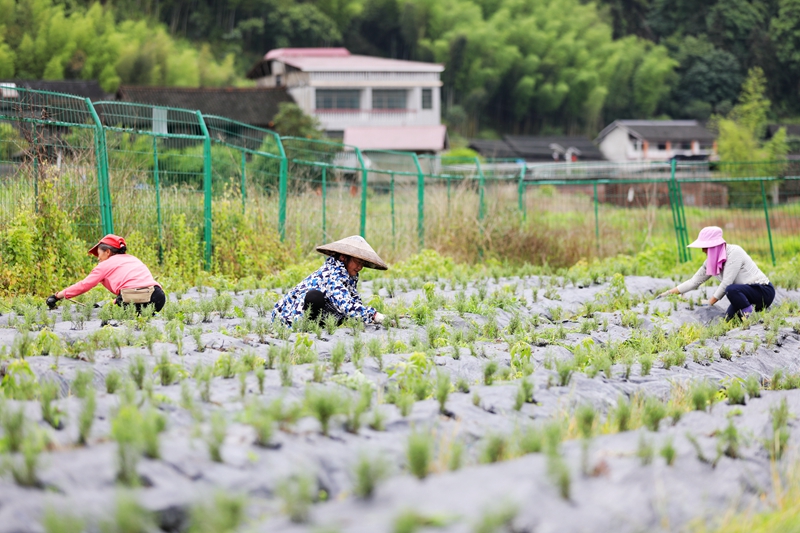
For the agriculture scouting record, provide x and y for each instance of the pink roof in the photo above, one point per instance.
(341, 60)
(307, 52)
(409, 138)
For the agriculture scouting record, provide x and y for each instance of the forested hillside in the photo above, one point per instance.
(512, 65)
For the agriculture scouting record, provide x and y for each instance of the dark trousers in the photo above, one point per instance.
(741, 296)
(318, 306)
(157, 299)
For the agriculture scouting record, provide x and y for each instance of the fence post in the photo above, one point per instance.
(324, 202)
(766, 216)
(596, 218)
(244, 181)
(481, 192)
(521, 192)
(678, 216)
(101, 159)
(363, 229)
(157, 182)
(283, 179)
(420, 204)
(207, 190)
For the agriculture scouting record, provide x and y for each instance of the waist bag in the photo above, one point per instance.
(137, 296)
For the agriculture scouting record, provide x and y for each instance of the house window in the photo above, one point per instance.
(338, 99)
(388, 99)
(278, 80)
(662, 146)
(427, 98)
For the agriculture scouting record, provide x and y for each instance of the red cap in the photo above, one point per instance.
(115, 241)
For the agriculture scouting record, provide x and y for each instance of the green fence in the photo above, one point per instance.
(162, 173)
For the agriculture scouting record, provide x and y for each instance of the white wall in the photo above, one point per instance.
(616, 146)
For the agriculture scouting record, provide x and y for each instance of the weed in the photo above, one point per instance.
(297, 493)
(323, 405)
(418, 452)
(216, 435)
(369, 472)
(668, 451)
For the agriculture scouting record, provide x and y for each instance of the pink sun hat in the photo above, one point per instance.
(709, 237)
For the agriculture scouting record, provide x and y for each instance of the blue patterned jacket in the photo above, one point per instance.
(332, 280)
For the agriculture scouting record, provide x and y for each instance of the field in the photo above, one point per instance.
(532, 403)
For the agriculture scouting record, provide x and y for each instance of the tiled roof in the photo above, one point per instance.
(661, 130)
(257, 107)
(536, 148)
(405, 138)
(84, 88)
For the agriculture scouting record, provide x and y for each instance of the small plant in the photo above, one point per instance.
(369, 472)
(558, 472)
(86, 417)
(668, 452)
(323, 405)
(82, 383)
(260, 418)
(126, 430)
(736, 393)
(753, 386)
(646, 362)
(167, 371)
(48, 393)
(24, 468)
(622, 414)
(153, 424)
(330, 323)
(216, 436)
(61, 522)
(489, 371)
(419, 453)
(776, 446)
(261, 375)
(725, 352)
(462, 385)
(442, 391)
(225, 366)
(197, 336)
(113, 381)
(223, 515)
(728, 442)
(405, 402)
(654, 411)
(137, 371)
(645, 451)
(496, 449)
(203, 375)
(564, 368)
(702, 394)
(338, 355)
(297, 493)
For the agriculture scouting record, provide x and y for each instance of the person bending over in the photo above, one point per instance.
(332, 289)
(122, 274)
(747, 288)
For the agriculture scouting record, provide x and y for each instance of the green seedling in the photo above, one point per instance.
(419, 452)
(753, 386)
(203, 375)
(261, 375)
(442, 391)
(728, 441)
(653, 413)
(285, 369)
(57, 521)
(297, 493)
(668, 452)
(646, 362)
(330, 323)
(338, 355)
(82, 383)
(153, 424)
(323, 405)
(495, 520)
(702, 395)
(489, 371)
(225, 366)
(260, 419)
(86, 417)
(137, 371)
(24, 468)
(644, 450)
(222, 515)
(167, 371)
(496, 449)
(128, 517)
(48, 393)
(197, 336)
(736, 393)
(126, 430)
(216, 436)
(356, 409)
(405, 403)
(113, 381)
(622, 414)
(368, 473)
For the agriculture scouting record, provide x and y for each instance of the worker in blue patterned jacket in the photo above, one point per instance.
(332, 290)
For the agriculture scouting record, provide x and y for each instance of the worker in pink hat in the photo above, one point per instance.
(746, 287)
(122, 274)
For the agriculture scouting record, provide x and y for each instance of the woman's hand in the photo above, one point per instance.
(712, 301)
(674, 290)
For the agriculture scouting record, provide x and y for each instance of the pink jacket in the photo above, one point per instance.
(120, 271)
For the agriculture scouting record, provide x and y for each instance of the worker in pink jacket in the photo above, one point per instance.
(124, 275)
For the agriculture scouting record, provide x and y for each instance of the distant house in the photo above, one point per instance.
(371, 102)
(256, 107)
(656, 140)
(538, 148)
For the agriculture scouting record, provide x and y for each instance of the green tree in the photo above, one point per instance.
(292, 122)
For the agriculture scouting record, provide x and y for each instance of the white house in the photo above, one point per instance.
(370, 102)
(656, 140)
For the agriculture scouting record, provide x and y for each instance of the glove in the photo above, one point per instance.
(379, 318)
(52, 301)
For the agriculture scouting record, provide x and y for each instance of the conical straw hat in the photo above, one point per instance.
(354, 246)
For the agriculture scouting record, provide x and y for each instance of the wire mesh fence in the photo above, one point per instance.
(175, 176)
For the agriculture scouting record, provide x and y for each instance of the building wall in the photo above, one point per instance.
(616, 146)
